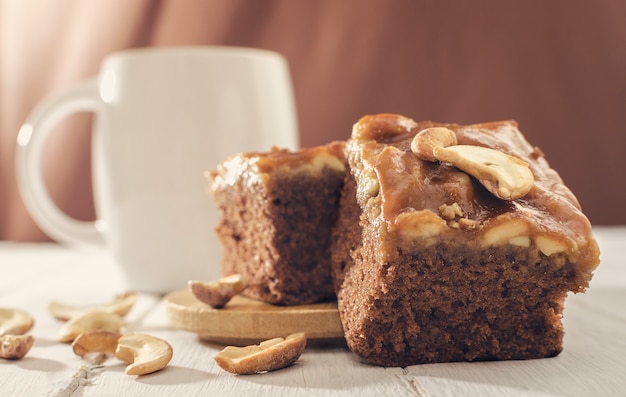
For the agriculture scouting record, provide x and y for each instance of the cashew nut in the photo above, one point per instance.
(14, 347)
(14, 322)
(120, 305)
(145, 353)
(427, 139)
(218, 293)
(269, 355)
(511, 231)
(90, 320)
(549, 245)
(505, 176)
(96, 341)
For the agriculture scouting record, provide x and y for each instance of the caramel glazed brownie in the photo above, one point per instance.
(454, 243)
(277, 212)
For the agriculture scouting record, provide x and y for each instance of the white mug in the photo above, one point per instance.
(162, 118)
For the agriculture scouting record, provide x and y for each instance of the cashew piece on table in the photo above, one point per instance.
(87, 321)
(219, 292)
(96, 341)
(15, 322)
(269, 355)
(120, 305)
(13, 325)
(144, 353)
(14, 347)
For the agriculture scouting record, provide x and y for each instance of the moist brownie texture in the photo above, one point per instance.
(437, 260)
(277, 211)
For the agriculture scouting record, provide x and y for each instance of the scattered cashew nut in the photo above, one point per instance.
(90, 320)
(144, 353)
(269, 355)
(14, 322)
(96, 341)
(218, 293)
(120, 305)
(14, 347)
(505, 176)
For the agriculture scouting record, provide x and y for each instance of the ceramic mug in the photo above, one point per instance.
(162, 118)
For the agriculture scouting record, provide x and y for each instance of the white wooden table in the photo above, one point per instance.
(593, 362)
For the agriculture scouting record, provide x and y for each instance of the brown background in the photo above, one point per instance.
(557, 67)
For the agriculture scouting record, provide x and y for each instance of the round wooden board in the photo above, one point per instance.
(243, 321)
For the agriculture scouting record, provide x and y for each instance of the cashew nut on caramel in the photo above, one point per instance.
(506, 177)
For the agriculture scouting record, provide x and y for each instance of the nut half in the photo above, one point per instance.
(88, 321)
(145, 353)
(218, 293)
(427, 139)
(505, 176)
(15, 322)
(14, 347)
(96, 341)
(120, 305)
(269, 355)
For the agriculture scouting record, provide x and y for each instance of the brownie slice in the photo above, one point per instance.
(277, 212)
(435, 264)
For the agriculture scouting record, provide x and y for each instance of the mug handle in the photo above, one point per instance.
(30, 141)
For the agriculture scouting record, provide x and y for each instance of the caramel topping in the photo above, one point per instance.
(255, 168)
(546, 215)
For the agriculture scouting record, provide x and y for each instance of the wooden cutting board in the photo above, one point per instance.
(243, 321)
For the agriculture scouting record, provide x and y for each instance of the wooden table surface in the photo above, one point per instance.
(593, 362)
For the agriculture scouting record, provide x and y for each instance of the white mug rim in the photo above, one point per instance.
(131, 54)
